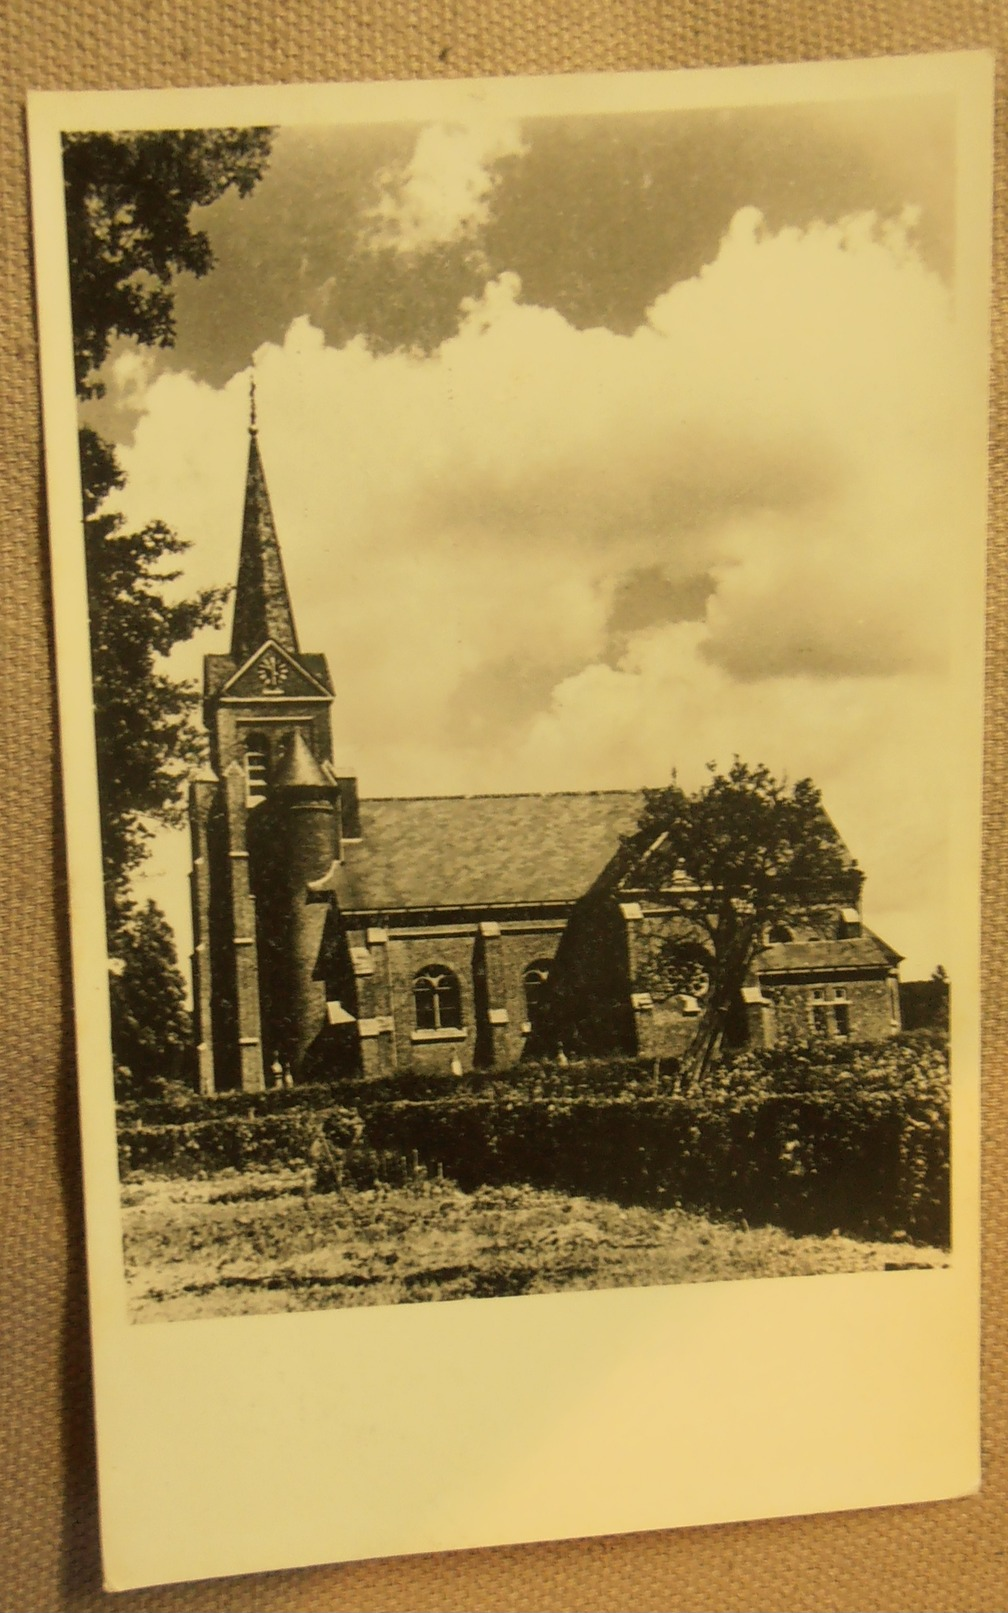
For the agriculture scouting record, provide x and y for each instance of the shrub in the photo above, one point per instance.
(236, 1142)
(831, 1135)
(810, 1146)
(170, 1103)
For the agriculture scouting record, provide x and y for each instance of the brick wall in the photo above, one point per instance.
(872, 1011)
(489, 968)
(407, 955)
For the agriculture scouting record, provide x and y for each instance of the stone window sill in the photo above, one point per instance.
(447, 1033)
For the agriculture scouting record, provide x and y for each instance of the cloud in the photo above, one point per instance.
(549, 558)
(443, 193)
(870, 743)
(126, 375)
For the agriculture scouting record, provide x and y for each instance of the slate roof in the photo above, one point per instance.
(865, 951)
(480, 850)
(299, 769)
(262, 607)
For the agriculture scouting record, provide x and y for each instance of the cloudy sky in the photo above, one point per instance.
(597, 446)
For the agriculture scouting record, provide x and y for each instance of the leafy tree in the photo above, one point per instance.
(925, 1004)
(146, 735)
(129, 203)
(742, 854)
(129, 200)
(150, 1024)
(940, 997)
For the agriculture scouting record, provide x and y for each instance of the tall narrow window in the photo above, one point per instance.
(536, 983)
(437, 999)
(256, 768)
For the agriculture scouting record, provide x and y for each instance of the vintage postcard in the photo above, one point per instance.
(518, 558)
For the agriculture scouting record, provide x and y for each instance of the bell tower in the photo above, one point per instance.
(263, 825)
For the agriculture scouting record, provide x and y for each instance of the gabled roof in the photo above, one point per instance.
(865, 951)
(480, 850)
(220, 670)
(262, 608)
(277, 670)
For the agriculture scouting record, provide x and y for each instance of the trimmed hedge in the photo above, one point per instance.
(176, 1104)
(870, 1166)
(239, 1142)
(916, 1060)
(814, 1138)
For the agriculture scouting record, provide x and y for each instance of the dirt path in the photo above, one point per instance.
(253, 1243)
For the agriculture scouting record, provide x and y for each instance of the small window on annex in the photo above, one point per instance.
(256, 767)
(535, 981)
(841, 1011)
(820, 1014)
(830, 1011)
(437, 998)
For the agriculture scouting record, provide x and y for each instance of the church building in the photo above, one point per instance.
(334, 934)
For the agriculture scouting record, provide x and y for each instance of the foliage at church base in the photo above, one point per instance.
(236, 1141)
(813, 1139)
(866, 1163)
(151, 1028)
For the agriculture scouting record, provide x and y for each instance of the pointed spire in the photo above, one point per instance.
(262, 608)
(299, 769)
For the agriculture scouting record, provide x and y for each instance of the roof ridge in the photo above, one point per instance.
(502, 795)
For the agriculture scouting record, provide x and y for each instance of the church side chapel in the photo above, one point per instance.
(335, 935)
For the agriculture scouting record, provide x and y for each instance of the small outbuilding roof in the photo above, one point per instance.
(865, 951)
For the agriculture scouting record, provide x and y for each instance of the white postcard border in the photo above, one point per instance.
(267, 1442)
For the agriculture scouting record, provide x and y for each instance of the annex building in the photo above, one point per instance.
(334, 933)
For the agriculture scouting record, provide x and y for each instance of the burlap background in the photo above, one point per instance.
(939, 1557)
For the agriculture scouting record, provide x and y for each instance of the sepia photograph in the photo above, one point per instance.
(521, 548)
(532, 589)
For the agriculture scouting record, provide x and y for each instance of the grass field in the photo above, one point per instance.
(257, 1242)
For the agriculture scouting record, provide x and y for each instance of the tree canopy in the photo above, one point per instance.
(740, 855)
(145, 730)
(150, 1025)
(129, 200)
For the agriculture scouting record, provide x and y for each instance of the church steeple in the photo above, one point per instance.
(262, 607)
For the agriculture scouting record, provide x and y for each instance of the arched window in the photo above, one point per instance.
(256, 767)
(779, 933)
(437, 998)
(536, 983)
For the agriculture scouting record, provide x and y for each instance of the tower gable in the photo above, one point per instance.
(273, 674)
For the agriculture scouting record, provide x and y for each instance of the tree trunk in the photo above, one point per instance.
(707, 1039)
(704, 1046)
